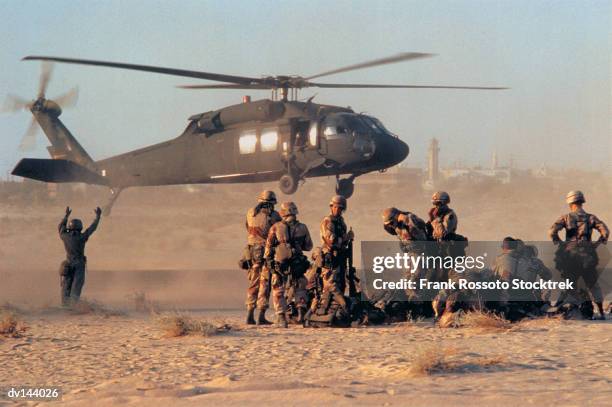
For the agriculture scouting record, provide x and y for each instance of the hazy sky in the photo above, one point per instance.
(555, 55)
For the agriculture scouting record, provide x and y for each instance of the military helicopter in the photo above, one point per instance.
(278, 139)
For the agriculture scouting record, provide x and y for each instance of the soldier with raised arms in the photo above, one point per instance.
(72, 270)
(259, 220)
(576, 257)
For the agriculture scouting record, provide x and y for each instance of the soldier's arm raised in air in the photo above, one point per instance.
(554, 230)
(62, 226)
(94, 225)
(604, 232)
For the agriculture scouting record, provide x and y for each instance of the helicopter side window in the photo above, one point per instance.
(247, 142)
(269, 139)
(330, 131)
(313, 134)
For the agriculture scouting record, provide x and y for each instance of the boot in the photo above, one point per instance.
(261, 318)
(602, 315)
(250, 320)
(281, 320)
(301, 312)
(307, 317)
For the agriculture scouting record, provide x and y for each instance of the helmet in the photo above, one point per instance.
(388, 214)
(75, 224)
(288, 209)
(509, 243)
(338, 200)
(267, 196)
(574, 197)
(440, 197)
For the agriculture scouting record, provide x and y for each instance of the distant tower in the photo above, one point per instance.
(433, 170)
(494, 162)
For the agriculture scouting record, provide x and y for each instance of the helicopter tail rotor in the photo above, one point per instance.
(14, 104)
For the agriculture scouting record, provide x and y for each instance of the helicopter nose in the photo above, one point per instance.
(391, 151)
(400, 151)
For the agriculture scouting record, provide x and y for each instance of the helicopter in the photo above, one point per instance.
(277, 139)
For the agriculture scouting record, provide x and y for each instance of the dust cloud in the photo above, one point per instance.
(180, 244)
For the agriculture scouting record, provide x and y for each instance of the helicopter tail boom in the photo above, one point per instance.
(59, 170)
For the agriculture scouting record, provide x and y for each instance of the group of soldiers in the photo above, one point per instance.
(316, 292)
(326, 289)
(275, 261)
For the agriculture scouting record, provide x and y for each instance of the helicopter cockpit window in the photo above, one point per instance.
(335, 131)
(269, 140)
(312, 134)
(247, 142)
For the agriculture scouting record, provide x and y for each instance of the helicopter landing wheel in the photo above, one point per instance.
(345, 187)
(288, 184)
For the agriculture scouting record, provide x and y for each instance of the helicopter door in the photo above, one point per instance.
(299, 144)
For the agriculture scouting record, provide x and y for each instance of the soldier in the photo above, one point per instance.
(442, 222)
(285, 246)
(259, 220)
(334, 245)
(576, 257)
(530, 269)
(72, 270)
(411, 232)
(506, 268)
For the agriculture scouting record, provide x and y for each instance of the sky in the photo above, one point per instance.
(554, 55)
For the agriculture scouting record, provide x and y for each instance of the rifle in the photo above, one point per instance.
(353, 280)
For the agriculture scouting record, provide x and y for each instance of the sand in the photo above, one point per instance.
(179, 247)
(127, 360)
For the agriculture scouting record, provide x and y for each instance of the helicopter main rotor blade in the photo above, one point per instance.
(45, 77)
(374, 86)
(224, 87)
(68, 99)
(405, 56)
(242, 80)
(14, 104)
(28, 141)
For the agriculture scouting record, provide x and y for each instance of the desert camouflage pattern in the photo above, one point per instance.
(577, 258)
(293, 238)
(411, 231)
(258, 223)
(443, 221)
(578, 226)
(334, 240)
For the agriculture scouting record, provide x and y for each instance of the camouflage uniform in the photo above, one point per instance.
(443, 222)
(286, 242)
(577, 258)
(334, 243)
(72, 270)
(259, 220)
(531, 268)
(411, 232)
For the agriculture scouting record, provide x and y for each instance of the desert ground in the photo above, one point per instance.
(171, 252)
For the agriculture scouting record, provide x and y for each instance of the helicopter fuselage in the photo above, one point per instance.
(261, 141)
